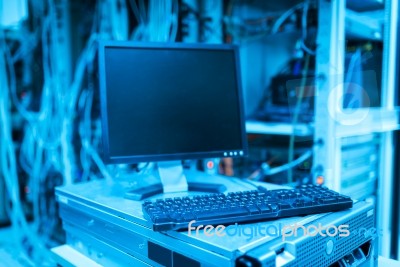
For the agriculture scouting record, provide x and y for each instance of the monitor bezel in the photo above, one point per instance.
(109, 159)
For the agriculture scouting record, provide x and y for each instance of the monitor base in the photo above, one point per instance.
(173, 179)
(155, 189)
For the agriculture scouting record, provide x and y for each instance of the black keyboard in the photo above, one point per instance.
(245, 206)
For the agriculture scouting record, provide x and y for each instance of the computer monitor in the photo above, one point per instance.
(170, 102)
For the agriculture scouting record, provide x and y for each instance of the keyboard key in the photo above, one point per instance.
(307, 203)
(264, 208)
(273, 207)
(240, 211)
(328, 200)
(283, 196)
(284, 205)
(253, 210)
(298, 204)
(160, 218)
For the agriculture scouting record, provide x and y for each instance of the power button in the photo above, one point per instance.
(329, 247)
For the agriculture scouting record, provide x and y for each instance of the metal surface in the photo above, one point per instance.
(67, 256)
(332, 123)
(259, 127)
(385, 184)
(100, 217)
(369, 120)
(359, 168)
(108, 195)
(364, 26)
(330, 73)
(310, 250)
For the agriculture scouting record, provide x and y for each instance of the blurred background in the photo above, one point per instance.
(314, 72)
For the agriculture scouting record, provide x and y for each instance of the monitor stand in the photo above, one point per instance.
(173, 180)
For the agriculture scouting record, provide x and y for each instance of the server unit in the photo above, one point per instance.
(360, 165)
(103, 226)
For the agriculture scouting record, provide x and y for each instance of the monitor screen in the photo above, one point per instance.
(170, 101)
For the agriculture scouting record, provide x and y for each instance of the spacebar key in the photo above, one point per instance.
(239, 211)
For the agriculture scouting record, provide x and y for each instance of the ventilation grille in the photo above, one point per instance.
(311, 252)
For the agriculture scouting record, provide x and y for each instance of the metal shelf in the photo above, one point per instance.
(278, 128)
(333, 124)
(366, 121)
(364, 26)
